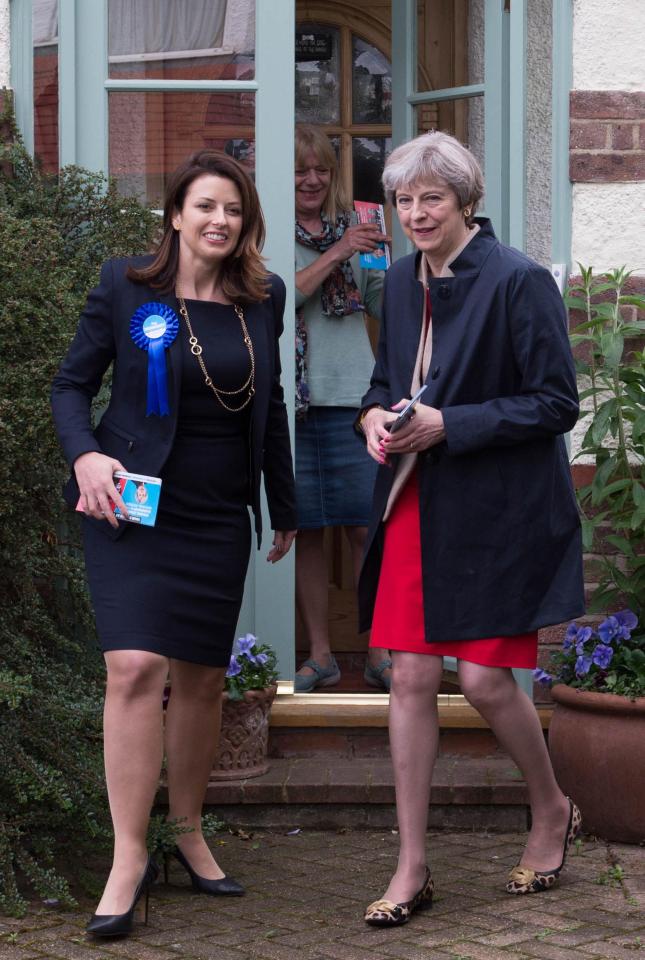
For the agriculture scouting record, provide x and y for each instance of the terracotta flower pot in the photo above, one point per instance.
(597, 747)
(244, 738)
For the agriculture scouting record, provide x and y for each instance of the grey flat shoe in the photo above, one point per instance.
(321, 677)
(375, 676)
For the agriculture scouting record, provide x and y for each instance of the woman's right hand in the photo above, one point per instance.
(94, 475)
(359, 238)
(374, 427)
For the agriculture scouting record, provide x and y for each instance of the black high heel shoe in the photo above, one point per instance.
(524, 880)
(120, 924)
(224, 887)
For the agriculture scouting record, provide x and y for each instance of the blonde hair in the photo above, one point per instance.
(312, 138)
(435, 156)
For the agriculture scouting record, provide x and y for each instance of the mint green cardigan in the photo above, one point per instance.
(339, 354)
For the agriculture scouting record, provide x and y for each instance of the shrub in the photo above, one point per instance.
(54, 234)
(613, 505)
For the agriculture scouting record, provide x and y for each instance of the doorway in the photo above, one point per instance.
(343, 84)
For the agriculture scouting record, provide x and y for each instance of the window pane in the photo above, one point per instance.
(182, 40)
(371, 84)
(368, 159)
(45, 38)
(462, 118)
(317, 74)
(451, 46)
(152, 133)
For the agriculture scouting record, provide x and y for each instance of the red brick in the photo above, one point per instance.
(624, 136)
(607, 167)
(582, 474)
(607, 105)
(588, 135)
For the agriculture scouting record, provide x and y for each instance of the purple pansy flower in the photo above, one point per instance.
(261, 659)
(570, 635)
(602, 655)
(583, 665)
(244, 645)
(541, 676)
(617, 627)
(627, 619)
(234, 667)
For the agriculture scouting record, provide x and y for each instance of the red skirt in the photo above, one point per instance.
(398, 622)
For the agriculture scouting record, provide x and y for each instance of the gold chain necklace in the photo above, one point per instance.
(196, 351)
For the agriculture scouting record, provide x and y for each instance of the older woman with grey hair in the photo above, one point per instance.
(474, 540)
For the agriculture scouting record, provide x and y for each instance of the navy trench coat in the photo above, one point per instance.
(143, 443)
(500, 529)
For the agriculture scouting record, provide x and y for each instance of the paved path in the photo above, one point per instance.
(306, 894)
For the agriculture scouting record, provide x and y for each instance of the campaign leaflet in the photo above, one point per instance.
(140, 495)
(369, 212)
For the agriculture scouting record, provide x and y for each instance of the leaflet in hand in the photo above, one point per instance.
(369, 212)
(140, 495)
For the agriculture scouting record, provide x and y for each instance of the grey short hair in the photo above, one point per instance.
(435, 156)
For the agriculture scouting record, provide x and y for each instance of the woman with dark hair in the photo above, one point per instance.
(192, 334)
(474, 541)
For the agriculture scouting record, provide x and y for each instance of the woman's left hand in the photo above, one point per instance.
(282, 540)
(424, 430)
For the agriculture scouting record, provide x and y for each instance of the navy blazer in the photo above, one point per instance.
(142, 443)
(500, 528)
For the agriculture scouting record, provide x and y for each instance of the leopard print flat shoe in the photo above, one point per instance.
(384, 913)
(524, 880)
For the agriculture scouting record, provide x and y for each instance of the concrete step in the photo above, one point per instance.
(329, 792)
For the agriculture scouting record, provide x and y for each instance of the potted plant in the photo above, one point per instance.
(250, 689)
(597, 732)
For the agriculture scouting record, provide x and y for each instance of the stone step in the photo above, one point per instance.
(328, 792)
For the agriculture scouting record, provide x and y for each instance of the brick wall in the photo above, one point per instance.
(607, 136)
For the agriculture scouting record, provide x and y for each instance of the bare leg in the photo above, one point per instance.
(357, 537)
(414, 738)
(514, 721)
(312, 595)
(132, 724)
(193, 722)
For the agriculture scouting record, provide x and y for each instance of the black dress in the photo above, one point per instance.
(176, 589)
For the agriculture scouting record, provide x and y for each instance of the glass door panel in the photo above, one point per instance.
(150, 134)
(185, 40)
(317, 74)
(45, 83)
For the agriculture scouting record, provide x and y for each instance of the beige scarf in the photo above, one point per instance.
(407, 461)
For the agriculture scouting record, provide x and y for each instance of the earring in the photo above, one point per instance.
(466, 212)
(175, 225)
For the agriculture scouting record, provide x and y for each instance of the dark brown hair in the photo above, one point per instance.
(244, 276)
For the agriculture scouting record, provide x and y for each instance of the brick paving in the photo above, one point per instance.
(306, 893)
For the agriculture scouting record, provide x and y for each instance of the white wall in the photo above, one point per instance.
(5, 59)
(608, 223)
(607, 45)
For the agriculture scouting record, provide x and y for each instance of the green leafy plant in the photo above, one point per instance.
(54, 234)
(609, 337)
(252, 667)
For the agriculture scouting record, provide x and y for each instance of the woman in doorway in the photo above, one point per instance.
(192, 333)
(334, 360)
(474, 540)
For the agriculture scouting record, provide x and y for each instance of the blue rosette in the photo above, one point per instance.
(153, 327)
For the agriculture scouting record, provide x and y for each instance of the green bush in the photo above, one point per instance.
(613, 365)
(54, 234)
